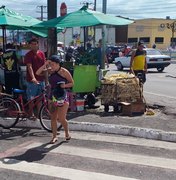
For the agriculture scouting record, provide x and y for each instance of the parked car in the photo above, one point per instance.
(155, 59)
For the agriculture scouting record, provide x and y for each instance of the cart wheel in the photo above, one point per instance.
(91, 100)
(106, 108)
(116, 108)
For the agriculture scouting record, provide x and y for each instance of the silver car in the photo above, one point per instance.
(155, 59)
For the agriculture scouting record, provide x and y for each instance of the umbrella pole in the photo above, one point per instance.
(103, 46)
(4, 38)
(84, 38)
(63, 32)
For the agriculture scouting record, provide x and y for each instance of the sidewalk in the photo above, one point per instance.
(161, 126)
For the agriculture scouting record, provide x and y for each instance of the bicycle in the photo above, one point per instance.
(9, 110)
(15, 107)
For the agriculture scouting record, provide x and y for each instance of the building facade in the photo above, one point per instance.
(160, 32)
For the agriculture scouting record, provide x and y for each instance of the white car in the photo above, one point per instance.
(155, 59)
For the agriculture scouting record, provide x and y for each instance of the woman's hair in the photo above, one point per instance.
(56, 59)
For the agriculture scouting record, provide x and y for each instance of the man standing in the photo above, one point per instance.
(99, 59)
(138, 62)
(34, 59)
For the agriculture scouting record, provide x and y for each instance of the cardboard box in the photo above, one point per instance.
(131, 109)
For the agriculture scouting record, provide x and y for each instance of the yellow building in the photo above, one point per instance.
(153, 31)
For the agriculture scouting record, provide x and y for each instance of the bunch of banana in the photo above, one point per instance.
(111, 79)
(150, 112)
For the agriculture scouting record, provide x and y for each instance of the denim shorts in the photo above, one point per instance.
(34, 89)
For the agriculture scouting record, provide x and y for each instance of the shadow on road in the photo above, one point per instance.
(33, 154)
(10, 134)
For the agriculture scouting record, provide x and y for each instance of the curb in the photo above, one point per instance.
(147, 133)
(123, 130)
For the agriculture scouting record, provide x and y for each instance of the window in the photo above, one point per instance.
(174, 40)
(145, 39)
(132, 40)
(159, 40)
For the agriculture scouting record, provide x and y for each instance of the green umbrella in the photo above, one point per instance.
(10, 19)
(84, 17)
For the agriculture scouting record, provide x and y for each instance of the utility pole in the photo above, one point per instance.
(52, 33)
(95, 7)
(103, 36)
(41, 11)
(104, 6)
(86, 28)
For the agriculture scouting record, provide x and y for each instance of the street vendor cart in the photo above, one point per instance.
(87, 75)
(122, 91)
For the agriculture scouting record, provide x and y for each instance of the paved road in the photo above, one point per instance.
(25, 154)
(160, 88)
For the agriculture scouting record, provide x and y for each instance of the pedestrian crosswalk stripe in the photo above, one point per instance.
(112, 156)
(59, 172)
(126, 140)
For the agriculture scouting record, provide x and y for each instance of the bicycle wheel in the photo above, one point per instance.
(9, 112)
(45, 119)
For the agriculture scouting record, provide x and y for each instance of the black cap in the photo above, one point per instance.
(56, 58)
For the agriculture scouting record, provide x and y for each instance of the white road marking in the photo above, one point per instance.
(58, 172)
(156, 94)
(113, 156)
(124, 140)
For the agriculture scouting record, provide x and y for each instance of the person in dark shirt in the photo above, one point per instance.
(11, 69)
(60, 80)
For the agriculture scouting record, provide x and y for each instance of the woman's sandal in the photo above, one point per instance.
(68, 138)
(54, 140)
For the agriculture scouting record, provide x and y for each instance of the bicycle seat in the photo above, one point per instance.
(18, 91)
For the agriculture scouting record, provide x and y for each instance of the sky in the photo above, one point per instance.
(133, 9)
